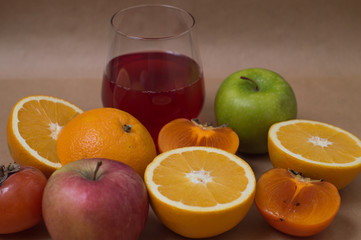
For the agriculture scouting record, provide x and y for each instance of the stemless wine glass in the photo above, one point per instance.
(154, 70)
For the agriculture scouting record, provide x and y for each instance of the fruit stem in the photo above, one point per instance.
(206, 125)
(99, 163)
(5, 172)
(300, 177)
(253, 81)
(127, 128)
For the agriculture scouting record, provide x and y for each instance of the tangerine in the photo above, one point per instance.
(107, 133)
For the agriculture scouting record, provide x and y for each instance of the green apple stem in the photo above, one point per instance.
(253, 81)
(99, 163)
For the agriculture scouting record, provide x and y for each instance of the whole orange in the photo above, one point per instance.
(106, 133)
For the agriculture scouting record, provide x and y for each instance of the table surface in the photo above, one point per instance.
(60, 48)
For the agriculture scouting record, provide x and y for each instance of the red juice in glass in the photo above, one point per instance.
(155, 87)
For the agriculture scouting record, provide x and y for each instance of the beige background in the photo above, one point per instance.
(59, 48)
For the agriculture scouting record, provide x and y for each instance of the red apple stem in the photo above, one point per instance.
(99, 163)
(253, 81)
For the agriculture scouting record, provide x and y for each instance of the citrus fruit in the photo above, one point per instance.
(318, 150)
(33, 128)
(200, 191)
(294, 204)
(107, 133)
(183, 132)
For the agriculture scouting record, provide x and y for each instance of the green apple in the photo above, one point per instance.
(250, 101)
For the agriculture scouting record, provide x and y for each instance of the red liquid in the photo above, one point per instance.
(155, 87)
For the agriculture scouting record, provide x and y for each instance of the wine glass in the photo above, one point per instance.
(154, 70)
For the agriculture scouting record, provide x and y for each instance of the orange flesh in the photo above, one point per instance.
(200, 179)
(38, 120)
(296, 206)
(324, 145)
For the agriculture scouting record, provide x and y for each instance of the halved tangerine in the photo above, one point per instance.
(200, 192)
(294, 204)
(33, 128)
(186, 133)
(318, 150)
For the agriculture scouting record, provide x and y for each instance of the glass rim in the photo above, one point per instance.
(152, 38)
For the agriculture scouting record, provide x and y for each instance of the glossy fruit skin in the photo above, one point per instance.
(21, 199)
(114, 206)
(296, 207)
(183, 132)
(250, 112)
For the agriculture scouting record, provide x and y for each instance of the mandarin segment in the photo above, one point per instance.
(233, 180)
(177, 194)
(216, 161)
(222, 193)
(177, 162)
(169, 176)
(199, 196)
(196, 160)
(207, 194)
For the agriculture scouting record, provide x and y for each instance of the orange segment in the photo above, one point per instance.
(33, 128)
(316, 149)
(200, 191)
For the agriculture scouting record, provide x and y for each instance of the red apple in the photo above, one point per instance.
(95, 199)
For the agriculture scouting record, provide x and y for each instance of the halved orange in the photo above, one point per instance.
(200, 192)
(33, 128)
(317, 150)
